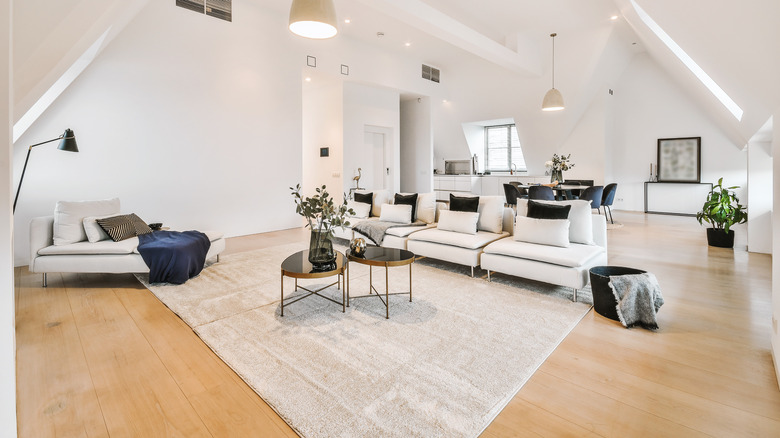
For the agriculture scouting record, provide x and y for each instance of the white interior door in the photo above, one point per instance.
(375, 142)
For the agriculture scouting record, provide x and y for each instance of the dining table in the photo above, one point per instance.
(562, 191)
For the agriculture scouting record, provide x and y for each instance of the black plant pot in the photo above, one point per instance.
(719, 238)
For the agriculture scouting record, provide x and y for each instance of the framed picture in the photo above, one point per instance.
(679, 159)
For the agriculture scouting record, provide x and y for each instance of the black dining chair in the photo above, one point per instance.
(511, 194)
(541, 193)
(608, 198)
(577, 182)
(523, 192)
(593, 194)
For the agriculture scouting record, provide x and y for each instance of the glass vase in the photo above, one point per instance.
(556, 175)
(321, 254)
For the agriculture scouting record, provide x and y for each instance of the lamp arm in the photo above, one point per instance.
(24, 169)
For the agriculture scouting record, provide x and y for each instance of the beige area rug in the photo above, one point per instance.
(443, 365)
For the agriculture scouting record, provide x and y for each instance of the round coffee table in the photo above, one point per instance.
(298, 266)
(387, 257)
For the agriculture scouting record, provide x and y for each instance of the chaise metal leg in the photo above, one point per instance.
(472, 272)
(44, 280)
(488, 275)
(575, 296)
(217, 258)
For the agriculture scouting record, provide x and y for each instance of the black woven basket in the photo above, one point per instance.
(604, 301)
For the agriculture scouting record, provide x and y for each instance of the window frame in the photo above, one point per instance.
(508, 147)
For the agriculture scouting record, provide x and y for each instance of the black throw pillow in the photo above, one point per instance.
(366, 198)
(540, 210)
(123, 226)
(408, 200)
(464, 203)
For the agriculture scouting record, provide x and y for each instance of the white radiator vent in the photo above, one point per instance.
(222, 9)
(430, 73)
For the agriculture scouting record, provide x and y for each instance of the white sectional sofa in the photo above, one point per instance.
(566, 266)
(53, 253)
(465, 248)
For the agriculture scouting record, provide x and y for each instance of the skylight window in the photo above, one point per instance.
(692, 66)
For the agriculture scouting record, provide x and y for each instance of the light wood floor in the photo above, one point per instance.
(98, 355)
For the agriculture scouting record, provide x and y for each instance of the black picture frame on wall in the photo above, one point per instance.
(679, 160)
(324, 152)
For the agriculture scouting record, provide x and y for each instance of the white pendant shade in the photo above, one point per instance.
(553, 101)
(313, 18)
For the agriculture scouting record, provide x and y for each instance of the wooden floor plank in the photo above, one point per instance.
(225, 403)
(137, 394)
(55, 393)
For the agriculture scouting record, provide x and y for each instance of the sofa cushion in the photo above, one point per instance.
(126, 246)
(94, 232)
(407, 199)
(542, 231)
(468, 241)
(491, 213)
(361, 209)
(365, 198)
(458, 221)
(124, 226)
(464, 203)
(541, 210)
(69, 218)
(378, 198)
(426, 207)
(401, 213)
(581, 217)
(574, 256)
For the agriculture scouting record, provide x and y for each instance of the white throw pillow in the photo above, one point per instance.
(401, 213)
(458, 221)
(426, 207)
(491, 213)
(95, 233)
(580, 216)
(69, 218)
(553, 232)
(361, 209)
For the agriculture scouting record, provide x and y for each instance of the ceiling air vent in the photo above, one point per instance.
(430, 73)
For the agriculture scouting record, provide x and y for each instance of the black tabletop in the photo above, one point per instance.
(299, 263)
(380, 254)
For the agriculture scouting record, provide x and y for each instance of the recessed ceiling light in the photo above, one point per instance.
(347, 20)
(614, 17)
(408, 44)
(444, 100)
(308, 79)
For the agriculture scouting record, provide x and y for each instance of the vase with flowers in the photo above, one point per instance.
(557, 165)
(322, 216)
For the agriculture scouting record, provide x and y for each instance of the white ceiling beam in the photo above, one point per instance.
(432, 21)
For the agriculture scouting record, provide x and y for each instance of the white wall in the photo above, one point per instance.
(648, 106)
(7, 305)
(323, 121)
(587, 144)
(776, 245)
(759, 197)
(368, 106)
(416, 146)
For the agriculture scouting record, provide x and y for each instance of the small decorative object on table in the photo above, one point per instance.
(156, 226)
(322, 216)
(357, 247)
(557, 165)
(722, 210)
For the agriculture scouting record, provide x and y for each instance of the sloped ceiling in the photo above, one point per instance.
(735, 42)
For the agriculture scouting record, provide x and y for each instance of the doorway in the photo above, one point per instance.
(376, 140)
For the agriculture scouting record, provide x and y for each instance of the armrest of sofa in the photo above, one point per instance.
(41, 236)
(600, 230)
(508, 220)
(439, 207)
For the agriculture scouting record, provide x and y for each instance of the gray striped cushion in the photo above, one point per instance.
(124, 226)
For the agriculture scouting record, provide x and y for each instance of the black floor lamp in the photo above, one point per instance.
(67, 143)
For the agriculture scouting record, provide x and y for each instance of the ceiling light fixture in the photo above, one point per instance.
(614, 17)
(347, 20)
(408, 44)
(553, 100)
(314, 19)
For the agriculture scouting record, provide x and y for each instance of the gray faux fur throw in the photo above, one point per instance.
(375, 230)
(638, 297)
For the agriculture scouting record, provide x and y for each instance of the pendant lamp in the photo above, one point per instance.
(553, 100)
(314, 19)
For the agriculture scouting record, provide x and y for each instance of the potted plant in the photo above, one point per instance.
(322, 216)
(722, 210)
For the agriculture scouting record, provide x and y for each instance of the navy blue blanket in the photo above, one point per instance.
(173, 256)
